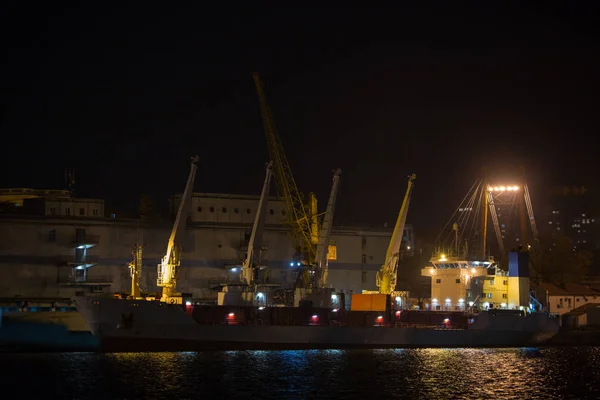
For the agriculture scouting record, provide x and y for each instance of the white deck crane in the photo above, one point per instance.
(388, 274)
(321, 260)
(168, 268)
(254, 254)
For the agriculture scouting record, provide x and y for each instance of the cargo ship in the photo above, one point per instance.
(245, 318)
(140, 325)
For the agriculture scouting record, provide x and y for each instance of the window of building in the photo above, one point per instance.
(199, 209)
(52, 236)
(283, 212)
(271, 211)
(80, 234)
(505, 282)
(212, 209)
(364, 241)
(489, 295)
(67, 211)
(483, 295)
(458, 281)
(370, 257)
(224, 209)
(236, 210)
(504, 296)
(95, 212)
(52, 210)
(364, 259)
(248, 211)
(491, 281)
(364, 276)
(81, 211)
(438, 281)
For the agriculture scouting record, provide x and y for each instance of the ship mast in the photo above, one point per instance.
(484, 216)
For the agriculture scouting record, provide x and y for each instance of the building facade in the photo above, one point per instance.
(49, 252)
(562, 300)
(571, 211)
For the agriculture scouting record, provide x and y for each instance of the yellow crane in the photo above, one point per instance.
(388, 274)
(169, 266)
(302, 217)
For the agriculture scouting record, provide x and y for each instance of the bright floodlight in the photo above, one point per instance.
(503, 188)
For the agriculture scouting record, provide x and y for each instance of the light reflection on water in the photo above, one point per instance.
(525, 373)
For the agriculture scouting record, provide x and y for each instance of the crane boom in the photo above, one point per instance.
(325, 233)
(254, 255)
(167, 269)
(534, 230)
(387, 275)
(301, 223)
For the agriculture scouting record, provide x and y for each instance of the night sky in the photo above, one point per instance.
(127, 95)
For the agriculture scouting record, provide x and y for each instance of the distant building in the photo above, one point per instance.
(570, 211)
(561, 300)
(56, 250)
(52, 202)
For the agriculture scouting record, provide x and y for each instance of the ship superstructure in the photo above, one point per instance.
(464, 276)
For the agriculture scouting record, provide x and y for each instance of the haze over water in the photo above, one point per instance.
(528, 373)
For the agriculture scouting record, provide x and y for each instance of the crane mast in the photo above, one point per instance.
(321, 266)
(168, 268)
(254, 255)
(135, 270)
(304, 225)
(388, 274)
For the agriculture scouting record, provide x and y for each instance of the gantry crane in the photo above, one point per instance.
(388, 274)
(304, 224)
(254, 255)
(168, 268)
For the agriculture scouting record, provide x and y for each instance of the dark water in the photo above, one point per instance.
(556, 373)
